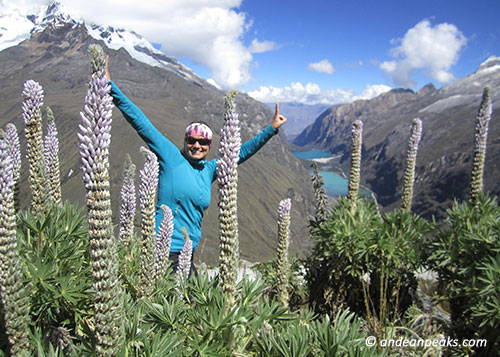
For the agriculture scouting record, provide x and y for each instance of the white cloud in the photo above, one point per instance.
(260, 47)
(432, 49)
(312, 93)
(323, 66)
(209, 32)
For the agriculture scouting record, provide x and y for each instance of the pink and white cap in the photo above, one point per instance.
(199, 129)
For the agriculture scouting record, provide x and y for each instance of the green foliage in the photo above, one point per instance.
(196, 321)
(366, 262)
(55, 253)
(465, 254)
(297, 288)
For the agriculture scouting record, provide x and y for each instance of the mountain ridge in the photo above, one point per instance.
(57, 57)
(445, 154)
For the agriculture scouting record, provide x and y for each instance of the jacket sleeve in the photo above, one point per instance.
(146, 130)
(252, 146)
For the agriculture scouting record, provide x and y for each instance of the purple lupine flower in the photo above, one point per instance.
(164, 240)
(148, 179)
(33, 102)
(52, 159)
(95, 131)
(480, 142)
(12, 291)
(32, 116)
(148, 187)
(227, 178)
(128, 202)
(283, 242)
(185, 257)
(411, 160)
(14, 151)
(354, 175)
(13, 147)
(94, 141)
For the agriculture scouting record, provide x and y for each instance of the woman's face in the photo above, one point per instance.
(197, 147)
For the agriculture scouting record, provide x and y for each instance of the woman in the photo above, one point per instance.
(185, 176)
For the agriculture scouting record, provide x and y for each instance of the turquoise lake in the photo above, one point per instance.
(312, 154)
(335, 185)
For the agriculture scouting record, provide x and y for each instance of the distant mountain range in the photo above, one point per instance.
(444, 159)
(54, 52)
(298, 115)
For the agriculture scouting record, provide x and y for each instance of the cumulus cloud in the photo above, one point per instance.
(312, 93)
(323, 66)
(209, 32)
(433, 49)
(260, 47)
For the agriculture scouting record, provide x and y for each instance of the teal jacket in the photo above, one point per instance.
(184, 184)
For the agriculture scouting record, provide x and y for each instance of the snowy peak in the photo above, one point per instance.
(140, 49)
(490, 65)
(19, 25)
(54, 15)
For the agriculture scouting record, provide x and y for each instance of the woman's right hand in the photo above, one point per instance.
(108, 76)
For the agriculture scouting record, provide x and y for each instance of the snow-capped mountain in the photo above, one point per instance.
(19, 26)
(55, 53)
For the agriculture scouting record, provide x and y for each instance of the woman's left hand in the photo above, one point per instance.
(278, 120)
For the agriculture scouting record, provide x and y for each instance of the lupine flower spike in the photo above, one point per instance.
(480, 142)
(185, 257)
(12, 292)
(319, 195)
(411, 160)
(94, 142)
(32, 115)
(163, 241)
(128, 202)
(227, 178)
(147, 201)
(283, 243)
(52, 159)
(354, 175)
(14, 151)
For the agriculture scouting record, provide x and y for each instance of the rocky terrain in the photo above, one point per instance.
(56, 55)
(444, 160)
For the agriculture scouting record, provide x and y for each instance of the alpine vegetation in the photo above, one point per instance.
(320, 195)
(163, 241)
(11, 139)
(128, 202)
(411, 161)
(32, 115)
(12, 292)
(481, 136)
(94, 141)
(282, 270)
(147, 201)
(354, 175)
(51, 150)
(227, 179)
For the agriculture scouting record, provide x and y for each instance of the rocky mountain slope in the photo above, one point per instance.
(445, 157)
(56, 55)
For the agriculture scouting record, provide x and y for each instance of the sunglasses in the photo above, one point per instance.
(191, 141)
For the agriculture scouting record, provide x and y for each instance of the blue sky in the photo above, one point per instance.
(356, 37)
(314, 51)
